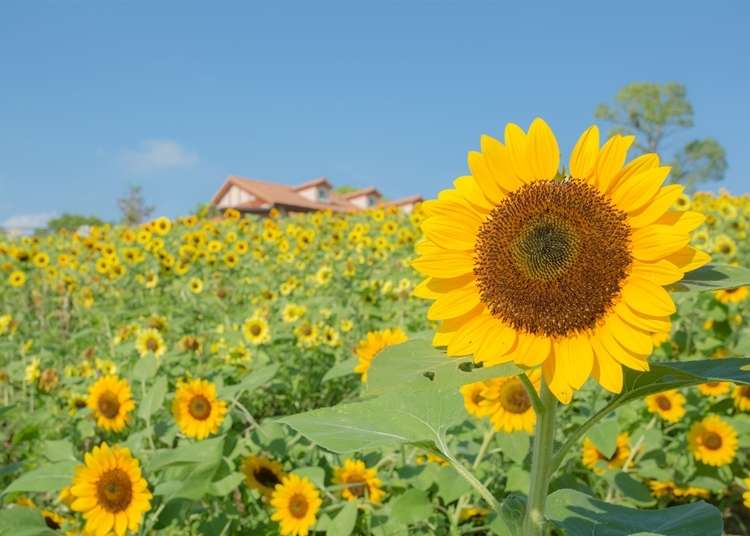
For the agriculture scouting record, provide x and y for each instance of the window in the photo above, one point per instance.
(322, 193)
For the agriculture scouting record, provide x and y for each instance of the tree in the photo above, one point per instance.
(133, 207)
(655, 113)
(69, 222)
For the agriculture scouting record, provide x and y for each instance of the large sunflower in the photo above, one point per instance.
(563, 270)
(357, 480)
(111, 401)
(296, 503)
(713, 441)
(110, 491)
(197, 410)
(262, 473)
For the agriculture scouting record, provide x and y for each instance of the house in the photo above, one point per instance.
(258, 197)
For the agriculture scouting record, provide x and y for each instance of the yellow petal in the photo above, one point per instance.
(657, 241)
(611, 158)
(498, 159)
(450, 234)
(556, 380)
(585, 153)
(581, 360)
(689, 258)
(647, 298)
(687, 221)
(638, 190)
(445, 264)
(454, 303)
(643, 321)
(634, 167)
(606, 370)
(630, 338)
(516, 143)
(469, 189)
(543, 151)
(658, 206)
(498, 342)
(484, 177)
(660, 272)
(532, 350)
(469, 336)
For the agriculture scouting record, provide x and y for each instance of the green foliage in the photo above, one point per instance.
(69, 222)
(655, 113)
(133, 207)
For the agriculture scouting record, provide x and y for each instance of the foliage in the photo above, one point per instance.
(69, 222)
(133, 207)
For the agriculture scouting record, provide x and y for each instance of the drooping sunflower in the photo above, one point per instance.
(560, 270)
(732, 295)
(669, 405)
(591, 455)
(111, 402)
(150, 342)
(508, 404)
(197, 410)
(714, 389)
(296, 503)
(713, 441)
(372, 344)
(357, 480)
(262, 474)
(110, 491)
(741, 396)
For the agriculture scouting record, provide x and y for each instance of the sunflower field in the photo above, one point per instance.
(288, 375)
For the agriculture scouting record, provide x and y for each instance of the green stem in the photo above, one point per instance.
(536, 402)
(541, 467)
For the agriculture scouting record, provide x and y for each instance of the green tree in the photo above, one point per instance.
(133, 207)
(655, 113)
(69, 222)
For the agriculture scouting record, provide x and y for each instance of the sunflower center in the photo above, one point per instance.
(614, 456)
(356, 487)
(255, 330)
(513, 397)
(664, 403)
(152, 345)
(551, 258)
(298, 505)
(745, 391)
(108, 405)
(114, 490)
(51, 523)
(266, 477)
(199, 407)
(712, 441)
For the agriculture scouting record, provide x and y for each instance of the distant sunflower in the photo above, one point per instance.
(262, 474)
(508, 404)
(372, 344)
(196, 285)
(508, 254)
(741, 397)
(713, 441)
(714, 389)
(197, 410)
(256, 330)
(296, 503)
(111, 402)
(53, 520)
(732, 295)
(110, 491)
(591, 456)
(17, 279)
(746, 494)
(669, 405)
(357, 481)
(472, 393)
(150, 342)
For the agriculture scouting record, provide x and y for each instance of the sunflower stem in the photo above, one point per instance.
(541, 458)
(536, 402)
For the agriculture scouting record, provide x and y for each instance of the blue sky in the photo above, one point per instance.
(175, 96)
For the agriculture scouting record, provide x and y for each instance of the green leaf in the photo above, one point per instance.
(316, 475)
(343, 523)
(59, 450)
(582, 515)
(252, 381)
(417, 364)
(206, 451)
(391, 419)
(52, 477)
(411, 507)
(22, 521)
(518, 479)
(633, 489)
(451, 485)
(145, 368)
(226, 485)
(154, 399)
(515, 446)
(604, 436)
(343, 368)
(713, 277)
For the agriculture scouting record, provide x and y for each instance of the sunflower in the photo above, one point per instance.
(262, 474)
(296, 503)
(17, 279)
(372, 344)
(713, 441)
(256, 331)
(111, 401)
(669, 405)
(53, 520)
(197, 410)
(591, 456)
(746, 494)
(714, 389)
(150, 342)
(508, 404)
(509, 251)
(110, 491)
(357, 480)
(196, 285)
(741, 397)
(732, 295)
(472, 393)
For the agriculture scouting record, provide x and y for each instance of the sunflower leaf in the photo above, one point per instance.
(579, 514)
(417, 364)
(252, 381)
(713, 277)
(22, 521)
(52, 477)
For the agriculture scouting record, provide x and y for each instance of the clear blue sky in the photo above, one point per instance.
(97, 95)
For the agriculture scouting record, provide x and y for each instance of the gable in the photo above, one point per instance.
(235, 196)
